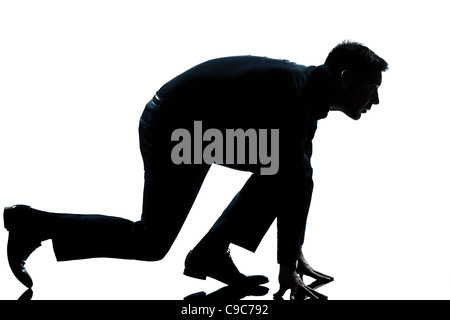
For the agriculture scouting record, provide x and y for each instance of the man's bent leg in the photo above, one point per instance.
(244, 222)
(247, 218)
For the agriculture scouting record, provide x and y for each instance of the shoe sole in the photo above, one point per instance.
(202, 275)
(249, 281)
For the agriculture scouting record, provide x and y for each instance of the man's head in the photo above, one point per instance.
(355, 71)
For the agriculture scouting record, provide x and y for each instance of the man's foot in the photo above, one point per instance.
(219, 266)
(24, 238)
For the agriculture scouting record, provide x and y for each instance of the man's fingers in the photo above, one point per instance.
(311, 294)
(303, 294)
(316, 284)
(283, 288)
(293, 294)
(317, 275)
(302, 290)
(279, 295)
(324, 276)
(319, 295)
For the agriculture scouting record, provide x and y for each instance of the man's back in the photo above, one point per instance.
(235, 92)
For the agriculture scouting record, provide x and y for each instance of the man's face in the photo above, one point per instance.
(359, 94)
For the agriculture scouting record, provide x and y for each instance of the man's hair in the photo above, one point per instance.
(354, 57)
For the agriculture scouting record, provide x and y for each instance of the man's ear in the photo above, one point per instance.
(346, 79)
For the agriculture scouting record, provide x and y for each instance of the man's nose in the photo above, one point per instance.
(375, 98)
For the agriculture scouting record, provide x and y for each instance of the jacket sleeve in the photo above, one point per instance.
(295, 187)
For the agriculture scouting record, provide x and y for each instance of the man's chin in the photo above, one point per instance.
(355, 116)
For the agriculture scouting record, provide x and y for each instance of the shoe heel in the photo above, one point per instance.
(10, 217)
(198, 275)
(7, 217)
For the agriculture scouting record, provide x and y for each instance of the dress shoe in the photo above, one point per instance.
(23, 239)
(219, 266)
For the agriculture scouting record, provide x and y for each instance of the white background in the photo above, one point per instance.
(76, 75)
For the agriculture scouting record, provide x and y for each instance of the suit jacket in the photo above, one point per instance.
(260, 93)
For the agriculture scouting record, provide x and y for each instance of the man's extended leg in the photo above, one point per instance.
(246, 219)
(82, 236)
(169, 193)
(79, 236)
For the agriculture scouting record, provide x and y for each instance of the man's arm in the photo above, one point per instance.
(295, 191)
(296, 187)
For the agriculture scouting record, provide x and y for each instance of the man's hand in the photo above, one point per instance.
(291, 277)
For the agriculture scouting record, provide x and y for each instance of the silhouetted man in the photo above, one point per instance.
(248, 113)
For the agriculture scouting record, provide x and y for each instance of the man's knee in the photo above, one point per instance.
(152, 245)
(153, 253)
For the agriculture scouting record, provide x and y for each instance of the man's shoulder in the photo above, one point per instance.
(262, 62)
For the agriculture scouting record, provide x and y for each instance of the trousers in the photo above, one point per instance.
(169, 193)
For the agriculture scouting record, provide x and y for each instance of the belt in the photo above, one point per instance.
(156, 101)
